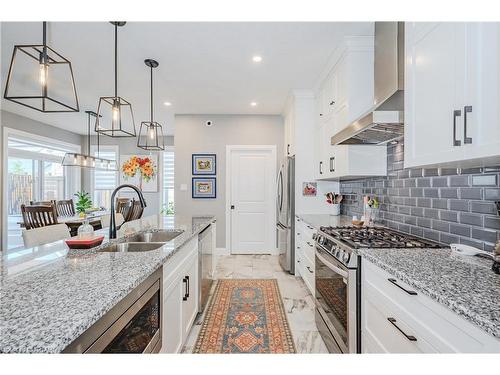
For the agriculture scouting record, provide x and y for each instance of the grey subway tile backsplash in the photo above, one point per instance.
(442, 204)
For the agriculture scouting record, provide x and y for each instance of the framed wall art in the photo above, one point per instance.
(141, 171)
(204, 187)
(204, 164)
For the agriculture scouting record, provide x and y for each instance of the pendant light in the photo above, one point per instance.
(151, 132)
(115, 117)
(72, 159)
(41, 79)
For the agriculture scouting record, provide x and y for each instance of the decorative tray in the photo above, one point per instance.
(85, 243)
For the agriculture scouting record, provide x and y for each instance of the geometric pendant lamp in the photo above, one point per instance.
(151, 132)
(115, 117)
(87, 160)
(41, 79)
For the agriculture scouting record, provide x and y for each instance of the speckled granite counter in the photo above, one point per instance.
(323, 220)
(466, 286)
(49, 295)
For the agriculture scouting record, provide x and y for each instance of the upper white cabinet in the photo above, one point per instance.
(344, 95)
(452, 94)
(346, 92)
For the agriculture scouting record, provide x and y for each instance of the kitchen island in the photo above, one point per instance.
(50, 295)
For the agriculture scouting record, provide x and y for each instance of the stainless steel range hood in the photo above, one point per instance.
(384, 123)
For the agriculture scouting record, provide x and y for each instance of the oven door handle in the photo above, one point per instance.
(330, 265)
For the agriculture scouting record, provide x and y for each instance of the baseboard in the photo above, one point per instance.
(222, 251)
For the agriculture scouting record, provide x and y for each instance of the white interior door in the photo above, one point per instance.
(251, 181)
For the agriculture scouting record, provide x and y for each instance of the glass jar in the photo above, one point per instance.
(85, 231)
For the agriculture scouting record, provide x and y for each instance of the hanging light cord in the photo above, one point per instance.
(151, 96)
(116, 60)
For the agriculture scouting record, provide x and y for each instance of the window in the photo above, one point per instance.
(168, 181)
(34, 173)
(105, 181)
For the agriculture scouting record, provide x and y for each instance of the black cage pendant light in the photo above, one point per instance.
(151, 132)
(41, 79)
(115, 116)
(72, 159)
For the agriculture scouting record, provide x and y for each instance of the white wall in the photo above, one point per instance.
(192, 136)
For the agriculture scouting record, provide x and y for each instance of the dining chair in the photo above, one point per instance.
(105, 219)
(65, 207)
(134, 211)
(121, 205)
(44, 235)
(38, 216)
(42, 203)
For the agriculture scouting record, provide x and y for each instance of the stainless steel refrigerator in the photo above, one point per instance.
(285, 205)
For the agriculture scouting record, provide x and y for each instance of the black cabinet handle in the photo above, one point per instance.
(332, 102)
(409, 337)
(309, 269)
(309, 244)
(184, 281)
(332, 164)
(288, 149)
(232, 207)
(394, 282)
(320, 167)
(188, 286)
(467, 109)
(456, 113)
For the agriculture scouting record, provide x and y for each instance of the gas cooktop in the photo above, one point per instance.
(375, 237)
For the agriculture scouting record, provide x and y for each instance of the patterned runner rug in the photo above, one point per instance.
(245, 316)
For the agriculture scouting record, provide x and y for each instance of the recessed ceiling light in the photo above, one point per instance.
(257, 59)
(253, 104)
(168, 104)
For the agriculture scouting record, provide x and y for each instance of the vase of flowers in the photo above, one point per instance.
(144, 168)
(372, 207)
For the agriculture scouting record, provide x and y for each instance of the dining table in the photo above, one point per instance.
(74, 221)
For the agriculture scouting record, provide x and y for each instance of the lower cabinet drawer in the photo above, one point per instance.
(307, 273)
(392, 311)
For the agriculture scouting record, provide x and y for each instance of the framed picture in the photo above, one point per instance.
(141, 171)
(204, 164)
(309, 189)
(204, 187)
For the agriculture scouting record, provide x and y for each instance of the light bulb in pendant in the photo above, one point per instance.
(93, 162)
(44, 70)
(85, 161)
(115, 112)
(151, 133)
(74, 159)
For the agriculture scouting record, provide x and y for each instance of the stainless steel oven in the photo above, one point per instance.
(133, 325)
(337, 291)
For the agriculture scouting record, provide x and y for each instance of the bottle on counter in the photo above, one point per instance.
(85, 231)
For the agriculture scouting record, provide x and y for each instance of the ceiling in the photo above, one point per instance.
(205, 68)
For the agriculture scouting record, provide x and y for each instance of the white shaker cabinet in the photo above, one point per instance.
(452, 94)
(180, 296)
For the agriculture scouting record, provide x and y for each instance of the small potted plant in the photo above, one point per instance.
(371, 209)
(334, 200)
(83, 203)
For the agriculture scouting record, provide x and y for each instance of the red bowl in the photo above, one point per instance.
(87, 243)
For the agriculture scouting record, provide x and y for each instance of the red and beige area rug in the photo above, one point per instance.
(245, 316)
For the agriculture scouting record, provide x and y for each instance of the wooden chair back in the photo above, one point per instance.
(121, 205)
(42, 203)
(134, 211)
(38, 216)
(65, 207)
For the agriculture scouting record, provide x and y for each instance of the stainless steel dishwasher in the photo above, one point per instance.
(205, 267)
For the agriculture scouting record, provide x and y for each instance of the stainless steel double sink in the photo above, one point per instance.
(142, 242)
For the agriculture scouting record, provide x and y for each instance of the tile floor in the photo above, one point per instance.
(298, 302)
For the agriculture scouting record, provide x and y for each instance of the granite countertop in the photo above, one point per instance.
(50, 295)
(324, 220)
(465, 285)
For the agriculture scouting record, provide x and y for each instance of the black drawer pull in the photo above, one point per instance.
(394, 282)
(185, 297)
(188, 286)
(409, 337)
(467, 109)
(456, 113)
(309, 269)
